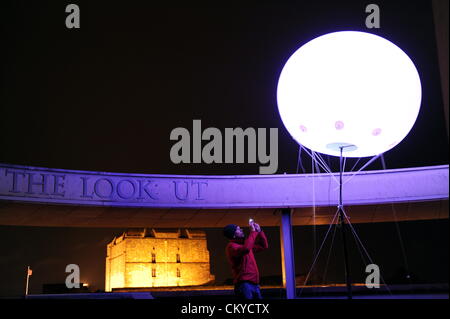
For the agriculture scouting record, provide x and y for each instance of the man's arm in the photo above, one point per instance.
(236, 249)
(260, 242)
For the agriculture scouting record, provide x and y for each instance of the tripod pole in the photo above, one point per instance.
(28, 281)
(343, 230)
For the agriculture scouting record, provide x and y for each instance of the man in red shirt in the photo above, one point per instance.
(239, 252)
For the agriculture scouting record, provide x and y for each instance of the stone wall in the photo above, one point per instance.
(157, 259)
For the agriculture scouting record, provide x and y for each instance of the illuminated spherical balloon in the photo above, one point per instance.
(351, 89)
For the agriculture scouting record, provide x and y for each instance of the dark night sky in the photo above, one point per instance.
(106, 97)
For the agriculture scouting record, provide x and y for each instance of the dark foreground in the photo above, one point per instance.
(226, 292)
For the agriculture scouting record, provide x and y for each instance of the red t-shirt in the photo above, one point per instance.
(240, 256)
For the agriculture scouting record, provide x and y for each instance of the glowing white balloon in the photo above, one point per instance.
(349, 88)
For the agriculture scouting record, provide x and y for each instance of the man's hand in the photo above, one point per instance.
(252, 226)
(256, 227)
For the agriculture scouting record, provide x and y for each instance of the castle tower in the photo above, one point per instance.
(141, 258)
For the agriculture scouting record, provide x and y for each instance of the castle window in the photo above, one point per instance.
(153, 272)
(178, 272)
(153, 258)
(178, 258)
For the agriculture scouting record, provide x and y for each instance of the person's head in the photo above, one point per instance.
(233, 231)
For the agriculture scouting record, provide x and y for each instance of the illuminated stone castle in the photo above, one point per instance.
(157, 258)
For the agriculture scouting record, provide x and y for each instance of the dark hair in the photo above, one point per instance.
(229, 230)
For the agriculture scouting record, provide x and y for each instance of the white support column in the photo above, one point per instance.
(287, 253)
